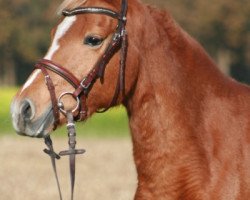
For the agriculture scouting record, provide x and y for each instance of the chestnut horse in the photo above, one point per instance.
(190, 124)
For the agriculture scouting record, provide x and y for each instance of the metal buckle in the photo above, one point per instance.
(116, 37)
(124, 32)
(124, 19)
(85, 86)
(61, 106)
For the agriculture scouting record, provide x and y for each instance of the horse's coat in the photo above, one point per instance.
(61, 30)
(190, 124)
(30, 80)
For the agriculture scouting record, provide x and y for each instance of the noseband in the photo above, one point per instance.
(83, 87)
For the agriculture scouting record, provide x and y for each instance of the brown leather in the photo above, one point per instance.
(53, 156)
(44, 64)
(61, 71)
(91, 10)
(71, 152)
(53, 98)
(98, 70)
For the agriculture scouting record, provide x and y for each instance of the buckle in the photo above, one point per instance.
(83, 84)
(123, 32)
(117, 36)
(124, 19)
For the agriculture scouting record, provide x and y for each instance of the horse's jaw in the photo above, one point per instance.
(36, 127)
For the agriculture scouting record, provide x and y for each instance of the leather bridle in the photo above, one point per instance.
(83, 87)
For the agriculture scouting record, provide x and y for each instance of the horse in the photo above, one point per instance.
(190, 123)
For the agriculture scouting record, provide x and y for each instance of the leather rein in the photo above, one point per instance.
(83, 87)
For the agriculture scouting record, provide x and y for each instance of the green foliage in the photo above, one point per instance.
(113, 123)
(6, 94)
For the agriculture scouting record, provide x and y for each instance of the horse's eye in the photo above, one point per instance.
(93, 41)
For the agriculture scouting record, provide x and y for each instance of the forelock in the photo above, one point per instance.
(70, 4)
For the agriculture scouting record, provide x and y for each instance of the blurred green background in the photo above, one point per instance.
(113, 123)
(221, 26)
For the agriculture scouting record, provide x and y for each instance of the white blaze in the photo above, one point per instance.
(62, 28)
(31, 79)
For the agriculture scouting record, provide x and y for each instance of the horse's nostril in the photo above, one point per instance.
(26, 111)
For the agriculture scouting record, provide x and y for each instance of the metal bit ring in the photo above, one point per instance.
(61, 106)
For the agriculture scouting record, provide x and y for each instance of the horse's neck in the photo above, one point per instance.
(166, 108)
(174, 78)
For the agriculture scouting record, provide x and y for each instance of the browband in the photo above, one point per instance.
(92, 10)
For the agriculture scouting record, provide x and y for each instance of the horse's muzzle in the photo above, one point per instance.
(24, 121)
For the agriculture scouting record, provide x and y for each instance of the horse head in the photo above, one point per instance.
(79, 42)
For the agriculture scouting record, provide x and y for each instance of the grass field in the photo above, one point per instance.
(105, 172)
(111, 123)
(6, 94)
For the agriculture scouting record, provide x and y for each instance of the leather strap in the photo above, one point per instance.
(91, 10)
(72, 152)
(44, 64)
(61, 71)
(53, 98)
(53, 157)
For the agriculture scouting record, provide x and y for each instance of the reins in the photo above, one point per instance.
(71, 152)
(83, 87)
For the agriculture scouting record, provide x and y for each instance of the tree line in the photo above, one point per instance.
(221, 26)
(24, 36)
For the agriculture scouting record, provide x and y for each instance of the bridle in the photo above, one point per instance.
(83, 87)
